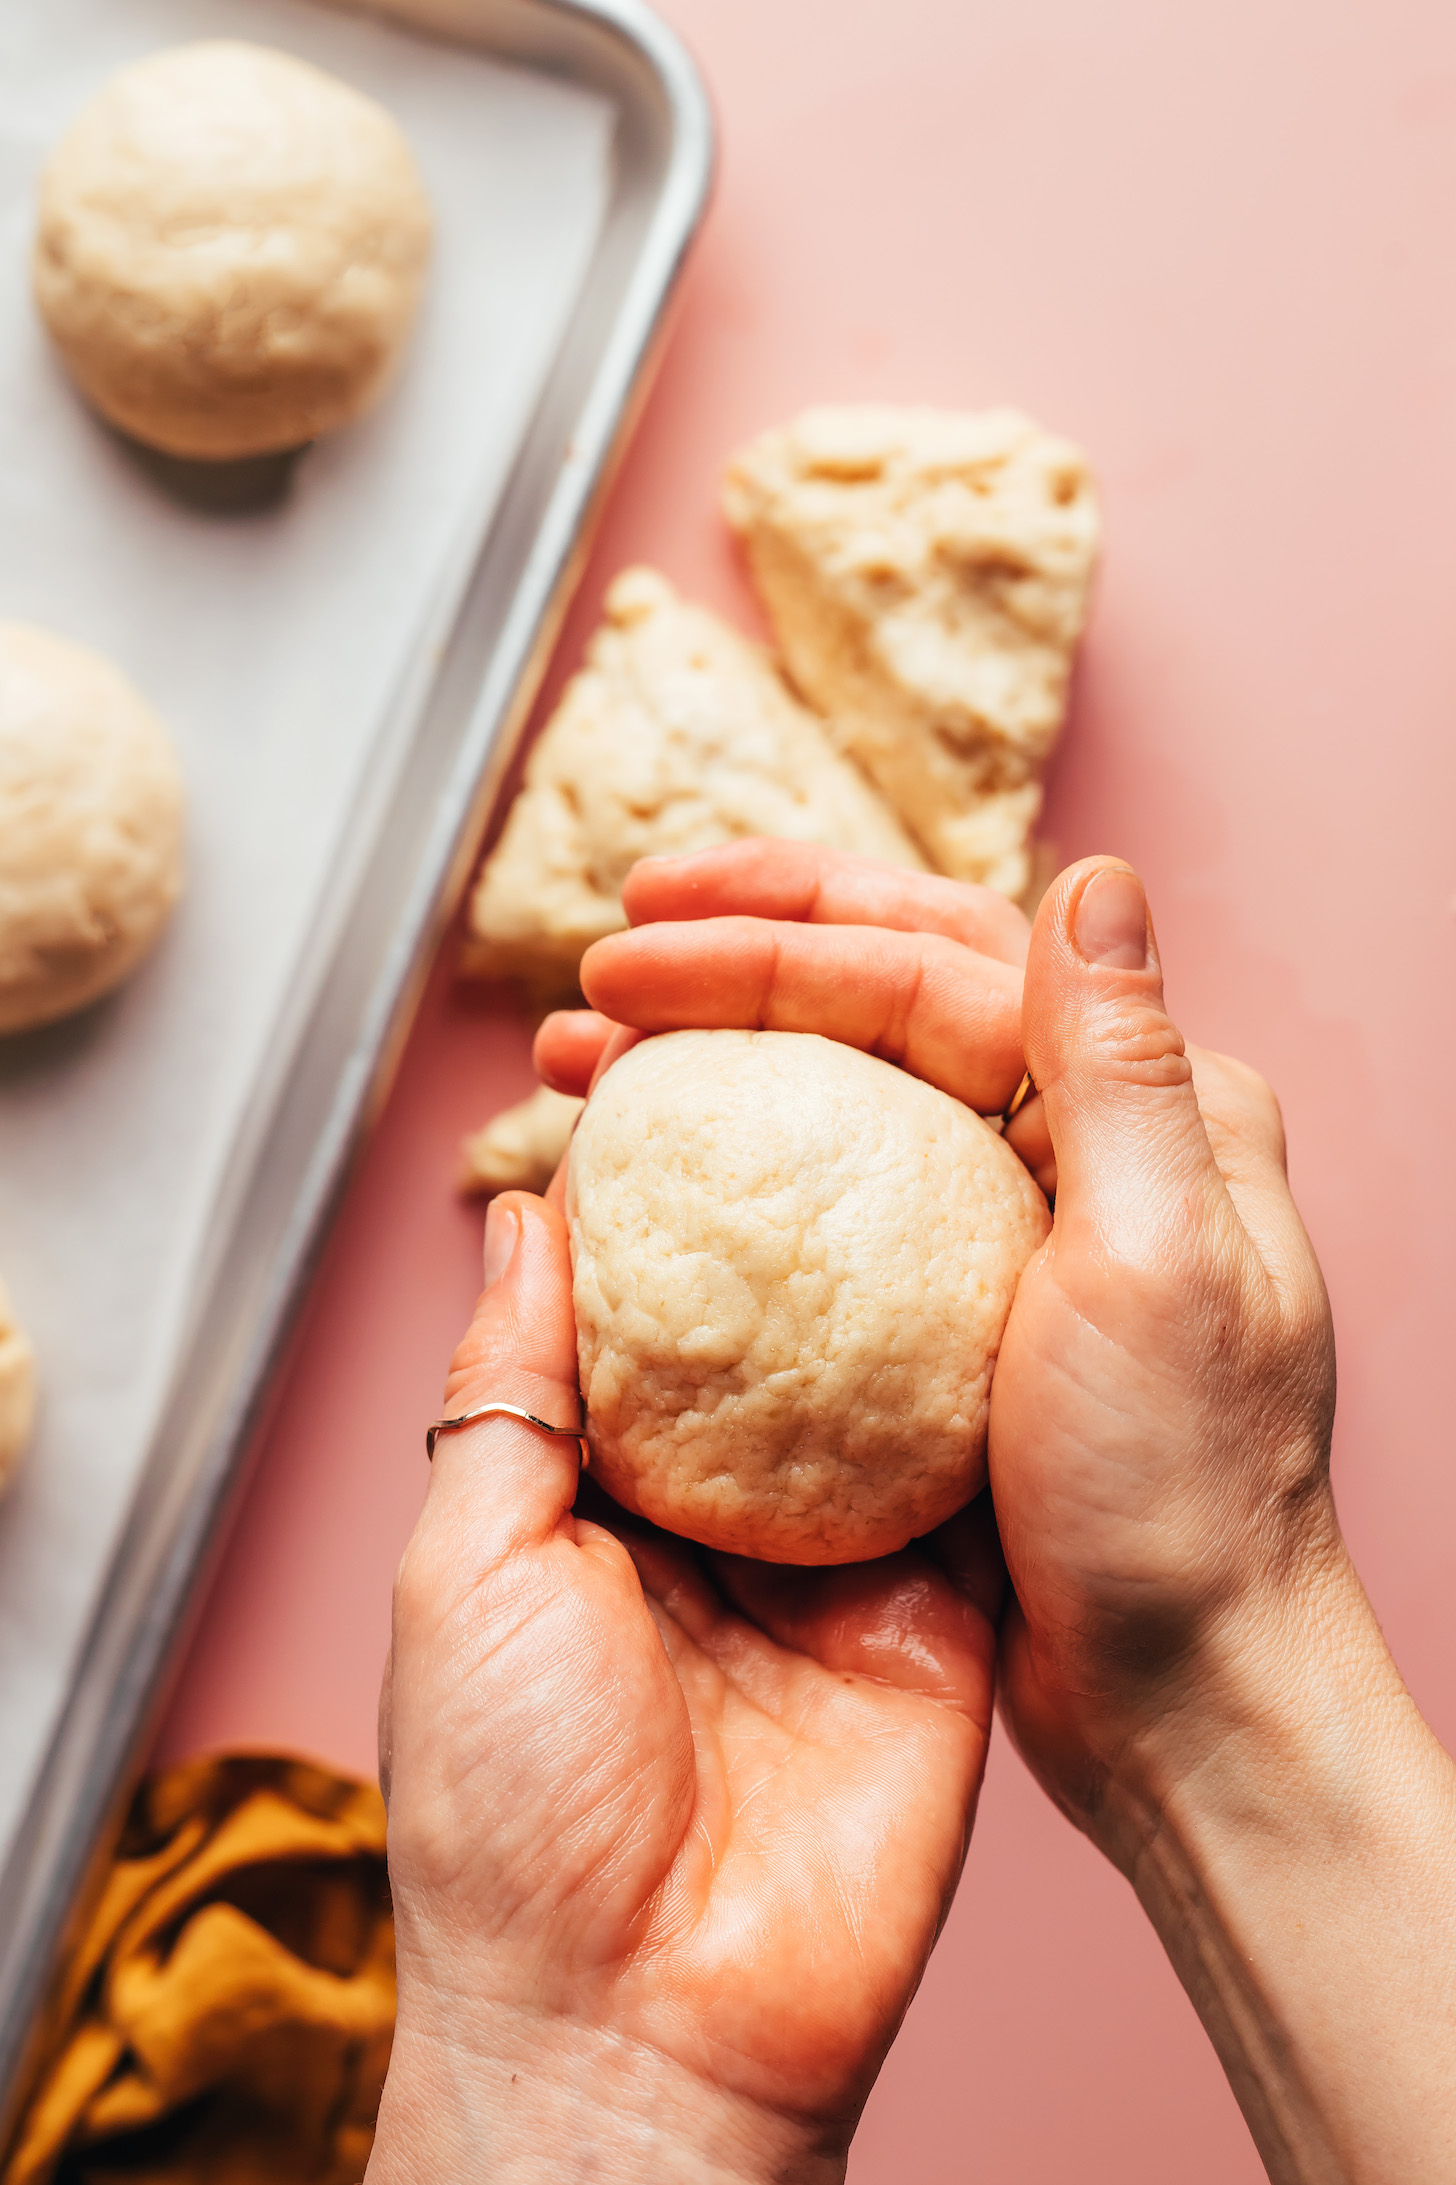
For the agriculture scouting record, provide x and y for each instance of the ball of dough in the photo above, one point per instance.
(792, 1267)
(17, 1390)
(91, 807)
(231, 249)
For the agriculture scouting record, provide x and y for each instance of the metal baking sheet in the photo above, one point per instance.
(344, 646)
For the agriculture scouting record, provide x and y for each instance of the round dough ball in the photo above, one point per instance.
(91, 807)
(231, 250)
(17, 1390)
(792, 1267)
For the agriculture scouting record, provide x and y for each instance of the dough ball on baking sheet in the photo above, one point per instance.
(792, 1267)
(17, 1390)
(91, 815)
(230, 250)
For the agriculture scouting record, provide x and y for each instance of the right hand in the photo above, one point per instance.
(1188, 1661)
(1161, 1408)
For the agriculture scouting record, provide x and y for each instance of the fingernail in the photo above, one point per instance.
(1111, 925)
(502, 1235)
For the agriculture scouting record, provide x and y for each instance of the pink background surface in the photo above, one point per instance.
(1214, 245)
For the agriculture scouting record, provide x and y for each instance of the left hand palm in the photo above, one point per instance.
(715, 1808)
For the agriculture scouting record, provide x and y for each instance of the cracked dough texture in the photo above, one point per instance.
(677, 734)
(926, 573)
(91, 812)
(521, 1148)
(792, 1267)
(230, 251)
(17, 1390)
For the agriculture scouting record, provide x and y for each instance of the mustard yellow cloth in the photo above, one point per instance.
(227, 2016)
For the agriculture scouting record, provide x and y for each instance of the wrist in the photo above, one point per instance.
(1292, 1716)
(528, 2099)
(1292, 1837)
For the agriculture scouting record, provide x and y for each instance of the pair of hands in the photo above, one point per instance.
(672, 1833)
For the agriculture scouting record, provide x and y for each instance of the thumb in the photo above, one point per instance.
(500, 1485)
(1108, 1059)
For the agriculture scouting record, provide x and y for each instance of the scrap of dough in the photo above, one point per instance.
(677, 735)
(521, 1148)
(231, 250)
(792, 1266)
(91, 811)
(926, 573)
(17, 1390)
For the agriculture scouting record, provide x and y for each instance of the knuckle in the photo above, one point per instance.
(903, 998)
(1262, 1102)
(1140, 1045)
(1239, 1098)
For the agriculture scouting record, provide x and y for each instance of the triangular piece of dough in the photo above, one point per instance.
(677, 735)
(926, 573)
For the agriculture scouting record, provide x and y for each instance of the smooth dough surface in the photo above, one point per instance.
(677, 735)
(91, 817)
(926, 573)
(17, 1390)
(792, 1266)
(230, 250)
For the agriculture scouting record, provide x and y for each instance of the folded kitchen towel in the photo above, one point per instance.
(227, 2014)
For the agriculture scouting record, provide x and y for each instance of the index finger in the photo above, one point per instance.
(928, 1004)
(802, 882)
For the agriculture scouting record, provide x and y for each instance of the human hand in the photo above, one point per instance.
(670, 1835)
(1161, 1406)
(1188, 1660)
(1163, 1400)
(788, 937)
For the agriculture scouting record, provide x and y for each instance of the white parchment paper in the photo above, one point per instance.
(274, 641)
